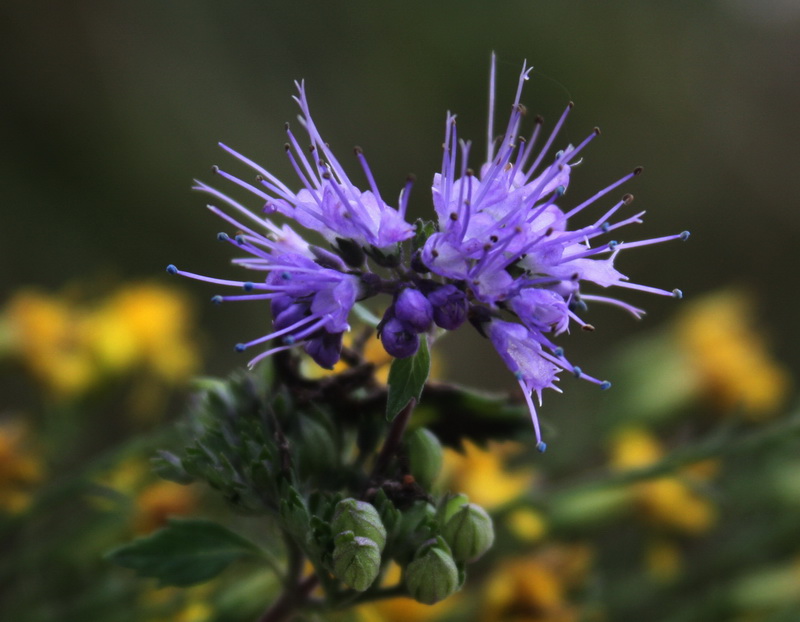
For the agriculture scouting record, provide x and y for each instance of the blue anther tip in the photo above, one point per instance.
(613, 244)
(286, 276)
(240, 347)
(541, 446)
(239, 239)
(172, 269)
(676, 293)
(518, 375)
(559, 351)
(561, 190)
(288, 340)
(685, 235)
(222, 236)
(577, 371)
(248, 286)
(216, 299)
(605, 385)
(605, 227)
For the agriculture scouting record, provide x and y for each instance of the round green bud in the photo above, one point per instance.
(356, 560)
(433, 575)
(469, 533)
(361, 518)
(450, 505)
(424, 456)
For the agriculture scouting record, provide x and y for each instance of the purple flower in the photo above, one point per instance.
(414, 309)
(328, 202)
(503, 256)
(449, 306)
(398, 338)
(504, 238)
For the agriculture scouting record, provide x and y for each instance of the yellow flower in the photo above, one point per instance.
(663, 501)
(536, 588)
(663, 560)
(160, 500)
(731, 357)
(145, 325)
(49, 335)
(172, 604)
(70, 347)
(527, 525)
(20, 469)
(154, 500)
(482, 475)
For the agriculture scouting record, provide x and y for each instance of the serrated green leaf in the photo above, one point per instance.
(423, 230)
(186, 552)
(407, 378)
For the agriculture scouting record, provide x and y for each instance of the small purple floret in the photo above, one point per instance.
(414, 310)
(399, 339)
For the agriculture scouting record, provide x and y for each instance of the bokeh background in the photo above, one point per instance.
(111, 109)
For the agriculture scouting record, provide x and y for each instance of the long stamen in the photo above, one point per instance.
(549, 142)
(490, 128)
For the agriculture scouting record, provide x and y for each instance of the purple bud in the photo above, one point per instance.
(449, 306)
(414, 310)
(280, 304)
(290, 315)
(325, 348)
(398, 339)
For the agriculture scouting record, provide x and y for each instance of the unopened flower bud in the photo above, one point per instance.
(424, 456)
(450, 505)
(361, 518)
(398, 340)
(469, 533)
(290, 314)
(356, 560)
(280, 304)
(414, 309)
(433, 575)
(325, 349)
(449, 306)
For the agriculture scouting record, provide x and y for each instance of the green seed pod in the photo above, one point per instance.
(424, 456)
(356, 560)
(433, 575)
(360, 518)
(469, 533)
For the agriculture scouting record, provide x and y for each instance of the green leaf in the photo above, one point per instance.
(407, 378)
(186, 552)
(423, 230)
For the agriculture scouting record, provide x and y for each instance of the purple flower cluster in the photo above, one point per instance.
(501, 256)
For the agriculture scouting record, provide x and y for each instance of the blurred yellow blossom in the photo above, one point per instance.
(20, 469)
(50, 336)
(527, 524)
(663, 560)
(169, 604)
(731, 356)
(664, 501)
(153, 500)
(483, 476)
(145, 324)
(160, 500)
(70, 346)
(536, 588)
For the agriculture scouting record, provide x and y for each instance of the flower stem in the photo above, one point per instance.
(393, 439)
